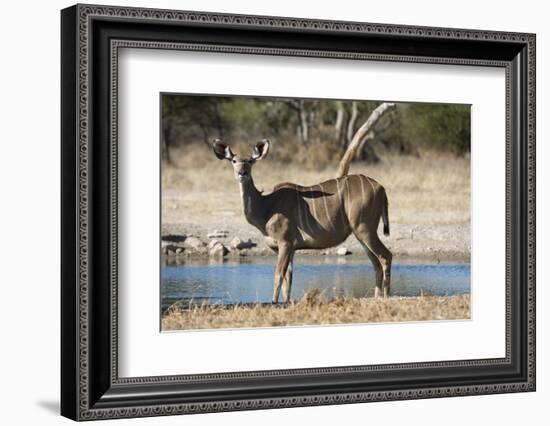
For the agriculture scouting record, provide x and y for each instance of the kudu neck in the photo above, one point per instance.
(252, 202)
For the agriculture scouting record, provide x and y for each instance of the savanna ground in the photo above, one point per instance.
(314, 310)
(429, 209)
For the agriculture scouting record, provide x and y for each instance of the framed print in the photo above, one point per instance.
(345, 211)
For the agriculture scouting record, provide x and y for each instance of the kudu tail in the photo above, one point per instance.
(385, 217)
(360, 136)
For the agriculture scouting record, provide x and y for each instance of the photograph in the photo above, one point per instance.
(306, 212)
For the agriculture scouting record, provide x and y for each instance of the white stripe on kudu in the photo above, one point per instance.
(341, 201)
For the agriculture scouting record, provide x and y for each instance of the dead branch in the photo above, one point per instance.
(361, 134)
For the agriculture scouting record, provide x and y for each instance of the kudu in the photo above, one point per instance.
(295, 217)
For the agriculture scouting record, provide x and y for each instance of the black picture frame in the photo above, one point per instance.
(90, 386)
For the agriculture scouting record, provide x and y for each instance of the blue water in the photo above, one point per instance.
(252, 280)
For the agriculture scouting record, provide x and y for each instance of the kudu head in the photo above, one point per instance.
(242, 165)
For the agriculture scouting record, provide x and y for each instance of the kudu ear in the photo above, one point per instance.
(260, 150)
(222, 151)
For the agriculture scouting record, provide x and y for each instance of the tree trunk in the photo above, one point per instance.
(340, 125)
(351, 123)
(361, 133)
(303, 126)
(304, 129)
(365, 151)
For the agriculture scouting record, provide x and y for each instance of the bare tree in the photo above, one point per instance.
(360, 135)
(365, 151)
(351, 122)
(340, 124)
(303, 125)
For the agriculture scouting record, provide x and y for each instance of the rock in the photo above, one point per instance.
(343, 251)
(217, 249)
(237, 243)
(194, 243)
(170, 249)
(218, 233)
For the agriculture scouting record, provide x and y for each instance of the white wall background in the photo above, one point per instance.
(29, 229)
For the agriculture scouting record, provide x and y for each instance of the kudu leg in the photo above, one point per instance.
(287, 284)
(383, 255)
(378, 289)
(283, 259)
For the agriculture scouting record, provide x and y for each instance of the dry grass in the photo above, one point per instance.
(431, 189)
(312, 309)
